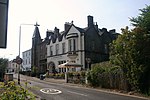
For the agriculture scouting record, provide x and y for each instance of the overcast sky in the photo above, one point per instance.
(111, 14)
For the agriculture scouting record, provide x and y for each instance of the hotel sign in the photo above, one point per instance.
(3, 22)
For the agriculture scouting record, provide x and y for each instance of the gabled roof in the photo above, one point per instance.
(81, 30)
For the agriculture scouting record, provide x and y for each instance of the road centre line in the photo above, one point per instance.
(77, 93)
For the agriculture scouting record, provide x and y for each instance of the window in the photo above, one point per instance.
(46, 53)
(51, 50)
(70, 45)
(26, 62)
(59, 69)
(74, 45)
(61, 62)
(57, 49)
(29, 61)
(93, 45)
(62, 69)
(63, 48)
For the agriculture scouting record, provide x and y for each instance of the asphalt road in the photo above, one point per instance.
(55, 91)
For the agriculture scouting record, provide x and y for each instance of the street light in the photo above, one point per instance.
(18, 59)
(88, 60)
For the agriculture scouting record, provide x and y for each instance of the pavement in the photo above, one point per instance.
(49, 80)
(55, 80)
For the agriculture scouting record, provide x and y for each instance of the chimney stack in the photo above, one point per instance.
(67, 25)
(90, 21)
(56, 30)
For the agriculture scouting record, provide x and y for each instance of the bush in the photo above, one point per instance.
(70, 74)
(106, 75)
(12, 92)
(76, 77)
(62, 75)
(82, 74)
(50, 75)
(56, 76)
(93, 76)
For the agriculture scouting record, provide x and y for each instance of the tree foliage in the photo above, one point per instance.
(143, 20)
(106, 75)
(127, 53)
(11, 91)
(131, 51)
(3, 65)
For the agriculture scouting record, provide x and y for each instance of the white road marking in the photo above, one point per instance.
(50, 91)
(77, 93)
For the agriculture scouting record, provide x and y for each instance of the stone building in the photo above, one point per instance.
(12, 67)
(39, 52)
(83, 46)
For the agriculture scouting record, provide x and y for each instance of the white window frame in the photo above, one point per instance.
(57, 49)
(63, 47)
(51, 50)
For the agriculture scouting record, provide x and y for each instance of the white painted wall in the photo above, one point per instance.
(79, 47)
(26, 56)
(12, 67)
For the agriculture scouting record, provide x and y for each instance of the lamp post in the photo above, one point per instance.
(18, 59)
(88, 60)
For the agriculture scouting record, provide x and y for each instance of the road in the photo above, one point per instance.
(58, 91)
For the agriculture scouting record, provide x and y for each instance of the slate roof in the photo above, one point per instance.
(54, 36)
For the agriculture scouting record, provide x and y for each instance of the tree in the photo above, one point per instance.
(143, 20)
(124, 53)
(3, 65)
(131, 51)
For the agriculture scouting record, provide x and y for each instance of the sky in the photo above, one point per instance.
(110, 14)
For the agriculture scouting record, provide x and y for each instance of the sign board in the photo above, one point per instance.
(3, 22)
(18, 60)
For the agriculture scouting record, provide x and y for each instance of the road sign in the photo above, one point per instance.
(18, 60)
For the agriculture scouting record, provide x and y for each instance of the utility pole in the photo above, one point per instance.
(18, 59)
